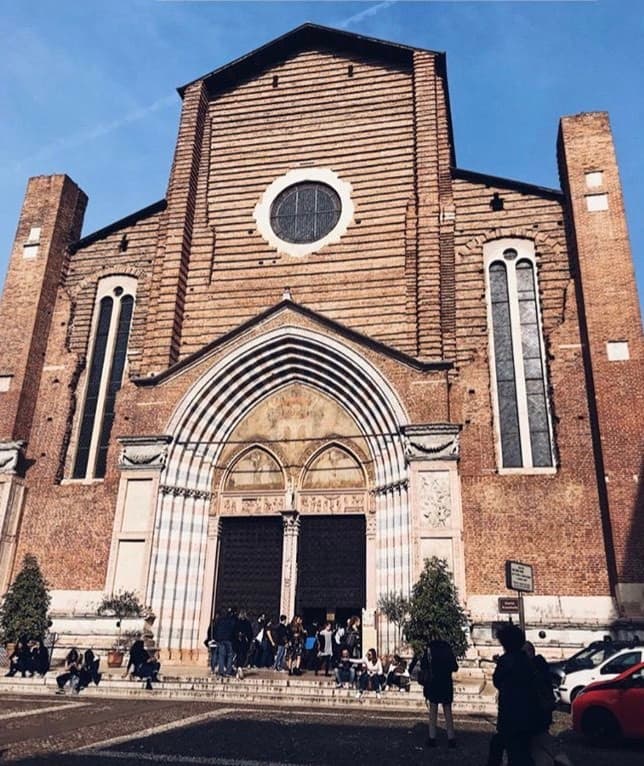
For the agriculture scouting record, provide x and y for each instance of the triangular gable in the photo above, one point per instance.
(329, 324)
(305, 37)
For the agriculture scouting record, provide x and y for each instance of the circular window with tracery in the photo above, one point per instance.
(305, 212)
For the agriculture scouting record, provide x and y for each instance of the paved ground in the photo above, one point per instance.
(72, 731)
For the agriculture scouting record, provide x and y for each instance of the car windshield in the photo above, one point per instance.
(593, 655)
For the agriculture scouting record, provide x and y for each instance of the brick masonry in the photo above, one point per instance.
(408, 274)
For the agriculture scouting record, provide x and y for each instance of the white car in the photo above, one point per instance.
(574, 682)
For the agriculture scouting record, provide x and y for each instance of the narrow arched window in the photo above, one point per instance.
(111, 331)
(517, 353)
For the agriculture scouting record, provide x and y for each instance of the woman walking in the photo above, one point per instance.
(436, 666)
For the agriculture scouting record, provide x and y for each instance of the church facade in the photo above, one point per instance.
(327, 354)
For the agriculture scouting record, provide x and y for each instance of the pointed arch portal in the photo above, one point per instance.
(186, 530)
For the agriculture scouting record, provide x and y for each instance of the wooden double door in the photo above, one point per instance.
(331, 560)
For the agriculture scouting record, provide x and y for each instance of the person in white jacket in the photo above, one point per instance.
(371, 676)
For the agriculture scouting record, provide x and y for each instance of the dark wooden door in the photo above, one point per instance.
(331, 564)
(250, 565)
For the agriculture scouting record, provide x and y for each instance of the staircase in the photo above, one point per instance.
(472, 694)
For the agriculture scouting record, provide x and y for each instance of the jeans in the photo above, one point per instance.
(345, 676)
(279, 657)
(225, 653)
(214, 658)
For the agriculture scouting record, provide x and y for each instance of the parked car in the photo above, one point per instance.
(585, 659)
(610, 709)
(614, 666)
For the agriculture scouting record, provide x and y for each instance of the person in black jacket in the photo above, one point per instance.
(20, 660)
(437, 665)
(40, 657)
(89, 670)
(225, 628)
(520, 715)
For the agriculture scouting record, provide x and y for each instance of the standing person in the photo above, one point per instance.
(352, 637)
(325, 650)
(519, 717)
(244, 639)
(212, 644)
(224, 636)
(280, 639)
(257, 630)
(296, 647)
(436, 666)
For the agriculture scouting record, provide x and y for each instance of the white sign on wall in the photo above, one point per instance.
(519, 576)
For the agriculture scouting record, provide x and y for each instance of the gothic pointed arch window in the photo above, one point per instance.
(334, 467)
(111, 323)
(255, 470)
(518, 370)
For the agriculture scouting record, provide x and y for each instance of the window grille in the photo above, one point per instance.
(305, 212)
(107, 365)
(518, 368)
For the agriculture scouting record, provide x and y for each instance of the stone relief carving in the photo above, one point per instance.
(143, 452)
(435, 498)
(434, 441)
(330, 504)
(252, 506)
(10, 456)
(200, 494)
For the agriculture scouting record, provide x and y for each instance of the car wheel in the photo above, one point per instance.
(599, 725)
(575, 693)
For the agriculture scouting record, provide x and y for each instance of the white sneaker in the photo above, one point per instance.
(377, 695)
(240, 673)
(358, 695)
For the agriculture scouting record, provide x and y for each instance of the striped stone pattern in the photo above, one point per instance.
(200, 427)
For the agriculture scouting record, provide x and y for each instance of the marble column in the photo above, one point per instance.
(291, 523)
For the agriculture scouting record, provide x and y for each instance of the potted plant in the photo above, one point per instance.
(122, 605)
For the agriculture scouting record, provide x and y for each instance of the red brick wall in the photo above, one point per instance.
(610, 312)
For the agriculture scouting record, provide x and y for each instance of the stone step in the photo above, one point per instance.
(469, 699)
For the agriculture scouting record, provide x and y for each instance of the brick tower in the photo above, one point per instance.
(612, 341)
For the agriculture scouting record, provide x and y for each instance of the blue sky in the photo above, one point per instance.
(88, 88)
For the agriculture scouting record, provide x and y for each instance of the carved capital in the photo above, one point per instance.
(143, 452)
(200, 494)
(10, 454)
(291, 523)
(433, 441)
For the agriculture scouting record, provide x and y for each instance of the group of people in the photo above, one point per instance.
(235, 641)
(525, 696)
(29, 657)
(81, 669)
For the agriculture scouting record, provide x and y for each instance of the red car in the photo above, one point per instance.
(613, 708)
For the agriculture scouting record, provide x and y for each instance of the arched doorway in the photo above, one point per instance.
(190, 509)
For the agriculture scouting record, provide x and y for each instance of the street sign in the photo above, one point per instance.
(519, 577)
(508, 605)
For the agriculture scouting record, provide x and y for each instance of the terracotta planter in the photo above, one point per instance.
(114, 659)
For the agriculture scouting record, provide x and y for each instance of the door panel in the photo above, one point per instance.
(250, 565)
(331, 564)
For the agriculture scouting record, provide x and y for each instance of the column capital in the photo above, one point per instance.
(432, 441)
(143, 452)
(10, 454)
(291, 522)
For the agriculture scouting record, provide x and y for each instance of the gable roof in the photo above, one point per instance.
(305, 37)
(330, 324)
